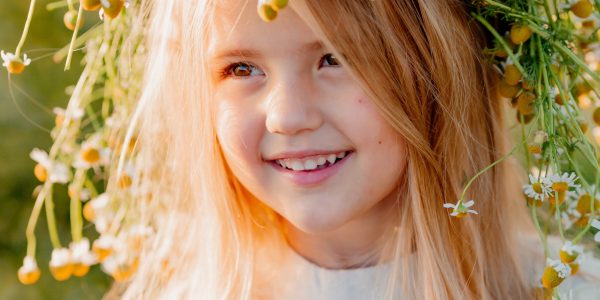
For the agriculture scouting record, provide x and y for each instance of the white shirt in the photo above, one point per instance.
(310, 281)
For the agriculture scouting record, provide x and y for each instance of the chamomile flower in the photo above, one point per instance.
(82, 258)
(98, 211)
(555, 272)
(61, 264)
(120, 266)
(46, 169)
(560, 185)
(569, 252)
(29, 273)
(537, 190)
(92, 154)
(563, 182)
(596, 224)
(104, 246)
(13, 63)
(461, 209)
(61, 114)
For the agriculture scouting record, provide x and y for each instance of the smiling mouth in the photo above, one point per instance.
(311, 163)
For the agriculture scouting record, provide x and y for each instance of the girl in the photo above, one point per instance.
(310, 157)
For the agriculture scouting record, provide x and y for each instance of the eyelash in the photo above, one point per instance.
(228, 71)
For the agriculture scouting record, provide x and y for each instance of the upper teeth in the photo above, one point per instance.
(311, 162)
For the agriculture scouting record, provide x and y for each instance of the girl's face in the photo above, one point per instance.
(295, 128)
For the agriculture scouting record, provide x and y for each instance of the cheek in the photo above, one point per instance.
(238, 133)
(384, 151)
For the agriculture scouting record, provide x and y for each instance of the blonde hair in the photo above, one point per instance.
(421, 63)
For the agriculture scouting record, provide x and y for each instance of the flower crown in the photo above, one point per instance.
(548, 53)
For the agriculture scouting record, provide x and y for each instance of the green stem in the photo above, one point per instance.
(50, 217)
(548, 13)
(26, 29)
(536, 222)
(33, 218)
(500, 40)
(73, 39)
(462, 196)
(54, 5)
(576, 60)
(75, 212)
(70, 5)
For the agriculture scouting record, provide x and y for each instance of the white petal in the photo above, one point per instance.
(469, 203)
(596, 224)
(473, 211)
(449, 205)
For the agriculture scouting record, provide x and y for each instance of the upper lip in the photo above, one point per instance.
(301, 154)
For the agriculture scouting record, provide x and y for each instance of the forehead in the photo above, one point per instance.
(236, 24)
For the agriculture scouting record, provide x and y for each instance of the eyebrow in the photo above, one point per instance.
(308, 47)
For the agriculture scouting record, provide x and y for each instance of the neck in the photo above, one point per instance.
(358, 243)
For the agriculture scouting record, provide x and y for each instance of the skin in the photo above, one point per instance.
(293, 99)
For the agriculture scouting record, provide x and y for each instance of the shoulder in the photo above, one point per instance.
(584, 285)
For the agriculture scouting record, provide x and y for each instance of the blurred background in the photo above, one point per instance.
(45, 82)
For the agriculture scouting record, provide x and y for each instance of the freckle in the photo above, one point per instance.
(360, 100)
(379, 142)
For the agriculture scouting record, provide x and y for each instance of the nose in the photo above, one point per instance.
(292, 108)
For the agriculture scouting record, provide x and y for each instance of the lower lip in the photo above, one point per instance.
(313, 177)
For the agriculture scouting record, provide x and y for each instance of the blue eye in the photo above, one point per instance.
(328, 60)
(241, 70)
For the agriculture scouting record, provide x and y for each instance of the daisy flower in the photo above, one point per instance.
(596, 224)
(13, 63)
(560, 185)
(104, 246)
(61, 114)
(555, 272)
(569, 252)
(46, 169)
(537, 190)
(461, 209)
(91, 154)
(82, 257)
(61, 265)
(120, 266)
(29, 273)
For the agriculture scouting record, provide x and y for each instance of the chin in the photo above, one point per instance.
(315, 222)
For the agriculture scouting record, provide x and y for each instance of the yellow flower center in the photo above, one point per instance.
(560, 186)
(28, 278)
(537, 187)
(40, 172)
(80, 269)
(90, 155)
(88, 212)
(124, 181)
(15, 67)
(550, 278)
(101, 252)
(62, 273)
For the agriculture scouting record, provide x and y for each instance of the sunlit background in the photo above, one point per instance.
(45, 82)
